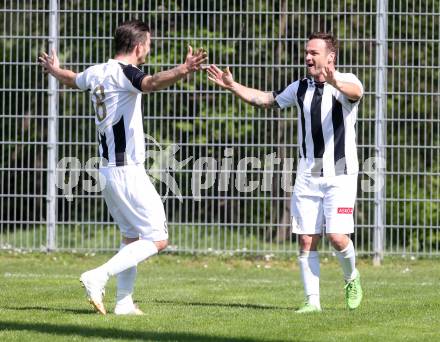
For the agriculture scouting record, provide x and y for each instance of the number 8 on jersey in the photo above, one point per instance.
(99, 102)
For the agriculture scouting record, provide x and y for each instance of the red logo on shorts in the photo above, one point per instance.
(345, 210)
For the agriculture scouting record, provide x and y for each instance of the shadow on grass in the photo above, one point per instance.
(48, 308)
(225, 305)
(233, 305)
(83, 331)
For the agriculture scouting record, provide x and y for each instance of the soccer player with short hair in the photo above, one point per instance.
(326, 182)
(116, 89)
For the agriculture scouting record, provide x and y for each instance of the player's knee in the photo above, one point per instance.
(308, 242)
(305, 243)
(160, 245)
(338, 241)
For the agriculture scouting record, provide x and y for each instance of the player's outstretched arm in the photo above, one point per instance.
(164, 79)
(252, 96)
(51, 65)
(351, 90)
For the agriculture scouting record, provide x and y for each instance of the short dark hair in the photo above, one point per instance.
(129, 34)
(330, 41)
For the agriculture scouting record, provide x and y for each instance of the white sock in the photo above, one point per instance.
(309, 266)
(347, 258)
(129, 256)
(125, 285)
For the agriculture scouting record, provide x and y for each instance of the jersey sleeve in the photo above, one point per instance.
(134, 76)
(350, 78)
(81, 80)
(287, 97)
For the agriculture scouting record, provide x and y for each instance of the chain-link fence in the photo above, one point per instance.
(238, 206)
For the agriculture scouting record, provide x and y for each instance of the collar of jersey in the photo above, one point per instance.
(312, 82)
(118, 61)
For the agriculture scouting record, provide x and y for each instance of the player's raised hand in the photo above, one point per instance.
(329, 74)
(194, 61)
(49, 63)
(222, 78)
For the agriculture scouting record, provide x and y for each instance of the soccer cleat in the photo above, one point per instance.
(353, 292)
(94, 287)
(308, 308)
(133, 310)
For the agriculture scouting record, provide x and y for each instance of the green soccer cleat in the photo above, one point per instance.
(308, 308)
(353, 292)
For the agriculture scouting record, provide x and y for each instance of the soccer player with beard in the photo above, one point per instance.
(326, 182)
(116, 89)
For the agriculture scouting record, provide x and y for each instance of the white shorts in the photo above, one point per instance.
(134, 203)
(323, 201)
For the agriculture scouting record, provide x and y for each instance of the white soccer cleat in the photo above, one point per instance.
(132, 310)
(94, 284)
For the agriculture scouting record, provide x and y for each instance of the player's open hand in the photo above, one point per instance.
(195, 60)
(329, 74)
(222, 78)
(49, 63)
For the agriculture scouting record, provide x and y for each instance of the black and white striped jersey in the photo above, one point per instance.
(326, 125)
(116, 95)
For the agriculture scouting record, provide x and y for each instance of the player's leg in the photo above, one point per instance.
(339, 202)
(347, 258)
(123, 265)
(309, 266)
(307, 220)
(150, 224)
(129, 197)
(127, 258)
(345, 252)
(125, 284)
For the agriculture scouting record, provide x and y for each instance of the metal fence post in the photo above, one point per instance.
(381, 107)
(52, 133)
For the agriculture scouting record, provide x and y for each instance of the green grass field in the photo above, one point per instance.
(217, 299)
